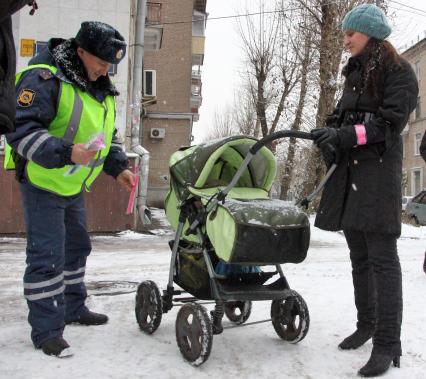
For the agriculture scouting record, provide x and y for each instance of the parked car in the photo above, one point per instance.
(405, 201)
(416, 208)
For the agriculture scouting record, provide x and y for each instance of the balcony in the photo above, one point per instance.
(198, 45)
(196, 74)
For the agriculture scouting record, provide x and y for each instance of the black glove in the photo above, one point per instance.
(325, 136)
(342, 138)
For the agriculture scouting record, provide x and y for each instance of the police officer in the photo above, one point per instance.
(64, 98)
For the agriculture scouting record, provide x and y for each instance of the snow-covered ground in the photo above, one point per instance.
(120, 350)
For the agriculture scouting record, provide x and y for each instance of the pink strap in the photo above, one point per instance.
(132, 196)
(361, 134)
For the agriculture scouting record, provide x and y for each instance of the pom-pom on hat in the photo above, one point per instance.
(101, 40)
(368, 19)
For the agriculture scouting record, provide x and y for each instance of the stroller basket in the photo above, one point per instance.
(192, 273)
(259, 232)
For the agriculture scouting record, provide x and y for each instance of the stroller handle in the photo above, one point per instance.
(277, 135)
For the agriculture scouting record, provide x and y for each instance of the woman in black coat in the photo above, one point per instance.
(363, 196)
(8, 62)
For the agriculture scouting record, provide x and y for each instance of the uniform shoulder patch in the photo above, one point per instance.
(46, 74)
(26, 97)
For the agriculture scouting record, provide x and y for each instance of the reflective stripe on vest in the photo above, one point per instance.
(76, 108)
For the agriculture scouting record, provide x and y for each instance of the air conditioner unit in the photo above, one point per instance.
(157, 133)
(149, 83)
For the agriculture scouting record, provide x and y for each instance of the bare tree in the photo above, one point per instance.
(272, 69)
(245, 117)
(303, 48)
(223, 124)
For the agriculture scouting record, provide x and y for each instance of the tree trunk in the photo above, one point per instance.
(330, 55)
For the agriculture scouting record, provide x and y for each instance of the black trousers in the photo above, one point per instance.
(376, 274)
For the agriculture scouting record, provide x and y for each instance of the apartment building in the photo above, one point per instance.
(414, 167)
(173, 80)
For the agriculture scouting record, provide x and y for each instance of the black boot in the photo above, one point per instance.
(90, 318)
(356, 339)
(378, 364)
(56, 346)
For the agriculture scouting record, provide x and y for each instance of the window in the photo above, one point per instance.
(403, 148)
(40, 46)
(153, 13)
(198, 24)
(418, 108)
(417, 69)
(416, 181)
(417, 142)
(195, 87)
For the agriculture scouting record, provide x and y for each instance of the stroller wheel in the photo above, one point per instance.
(194, 334)
(238, 311)
(148, 307)
(290, 317)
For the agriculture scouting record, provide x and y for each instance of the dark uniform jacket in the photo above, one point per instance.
(8, 63)
(39, 113)
(364, 193)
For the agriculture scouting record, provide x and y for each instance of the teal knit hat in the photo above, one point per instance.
(368, 19)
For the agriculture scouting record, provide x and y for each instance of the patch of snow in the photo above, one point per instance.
(119, 349)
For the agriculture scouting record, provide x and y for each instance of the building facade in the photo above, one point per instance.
(173, 74)
(414, 167)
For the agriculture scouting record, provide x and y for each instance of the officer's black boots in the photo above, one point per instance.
(90, 318)
(356, 339)
(56, 346)
(378, 364)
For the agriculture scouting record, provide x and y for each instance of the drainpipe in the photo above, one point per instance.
(136, 120)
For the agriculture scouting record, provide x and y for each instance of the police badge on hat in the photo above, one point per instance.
(119, 54)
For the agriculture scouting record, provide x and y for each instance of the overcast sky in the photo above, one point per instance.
(223, 56)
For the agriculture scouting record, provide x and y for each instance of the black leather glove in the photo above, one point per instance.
(342, 138)
(324, 136)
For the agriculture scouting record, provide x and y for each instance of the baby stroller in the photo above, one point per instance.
(227, 228)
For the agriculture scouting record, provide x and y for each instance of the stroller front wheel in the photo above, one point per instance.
(290, 317)
(148, 308)
(194, 334)
(238, 311)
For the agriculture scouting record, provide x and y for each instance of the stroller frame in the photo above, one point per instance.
(289, 312)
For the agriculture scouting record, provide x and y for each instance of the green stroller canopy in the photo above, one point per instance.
(214, 163)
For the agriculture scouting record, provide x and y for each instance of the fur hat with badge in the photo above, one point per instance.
(101, 40)
(368, 19)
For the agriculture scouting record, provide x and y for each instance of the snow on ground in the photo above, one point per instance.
(120, 350)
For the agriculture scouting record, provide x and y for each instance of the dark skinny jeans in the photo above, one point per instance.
(376, 274)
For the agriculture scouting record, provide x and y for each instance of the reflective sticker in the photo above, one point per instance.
(26, 97)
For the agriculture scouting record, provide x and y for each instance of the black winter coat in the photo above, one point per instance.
(364, 193)
(8, 63)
